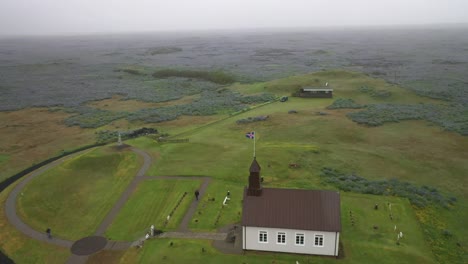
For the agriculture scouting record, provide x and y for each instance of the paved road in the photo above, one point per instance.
(126, 194)
(15, 220)
(183, 227)
(75, 259)
(182, 231)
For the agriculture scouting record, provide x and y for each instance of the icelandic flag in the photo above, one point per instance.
(250, 135)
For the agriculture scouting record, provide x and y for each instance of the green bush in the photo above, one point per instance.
(209, 103)
(419, 196)
(88, 117)
(218, 77)
(131, 70)
(105, 136)
(341, 103)
(375, 93)
(163, 50)
(452, 117)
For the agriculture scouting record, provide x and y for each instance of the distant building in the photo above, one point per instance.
(289, 220)
(316, 92)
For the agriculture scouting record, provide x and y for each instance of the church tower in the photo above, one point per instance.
(255, 187)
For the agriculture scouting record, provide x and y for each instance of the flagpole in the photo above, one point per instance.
(255, 139)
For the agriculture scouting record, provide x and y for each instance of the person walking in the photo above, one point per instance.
(49, 233)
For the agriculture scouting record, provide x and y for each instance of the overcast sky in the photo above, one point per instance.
(45, 17)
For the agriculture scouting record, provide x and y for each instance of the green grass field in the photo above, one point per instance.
(411, 151)
(364, 244)
(211, 214)
(73, 198)
(4, 158)
(21, 248)
(150, 204)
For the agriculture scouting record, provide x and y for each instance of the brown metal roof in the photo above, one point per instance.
(293, 209)
(255, 167)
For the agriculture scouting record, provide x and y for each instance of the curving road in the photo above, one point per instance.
(15, 220)
(183, 232)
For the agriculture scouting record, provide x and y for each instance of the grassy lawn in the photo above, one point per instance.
(159, 251)
(4, 158)
(150, 204)
(21, 248)
(73, 198)
(211, 215)
(318, 141)
(364, 244)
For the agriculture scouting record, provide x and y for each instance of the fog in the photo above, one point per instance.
(51, 17)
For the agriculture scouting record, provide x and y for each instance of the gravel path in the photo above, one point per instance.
(194, 235)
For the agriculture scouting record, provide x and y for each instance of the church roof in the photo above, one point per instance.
(293, 209)
(255, 167)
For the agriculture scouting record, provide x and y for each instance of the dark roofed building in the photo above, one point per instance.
(255, 167)
(255, 185)
(323, 209)
(316, 92)
(290, 220)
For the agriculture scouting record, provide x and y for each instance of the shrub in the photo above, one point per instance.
(252, 119)
(218, 77)
(109, 136)
(209, 103)
(447, 233)
(419, 196)
(375, 93)
(452, 117)
(88, 117)
(131, 71)
(163, 50)
(344, 103)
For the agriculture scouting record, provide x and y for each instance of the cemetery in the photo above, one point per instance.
(180, 209)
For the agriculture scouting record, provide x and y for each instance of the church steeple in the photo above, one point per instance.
(255, 187)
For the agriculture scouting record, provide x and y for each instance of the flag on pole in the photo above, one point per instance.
(250, 135)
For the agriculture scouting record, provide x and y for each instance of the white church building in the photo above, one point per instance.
(289, 220)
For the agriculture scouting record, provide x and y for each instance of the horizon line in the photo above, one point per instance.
(244, 29)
